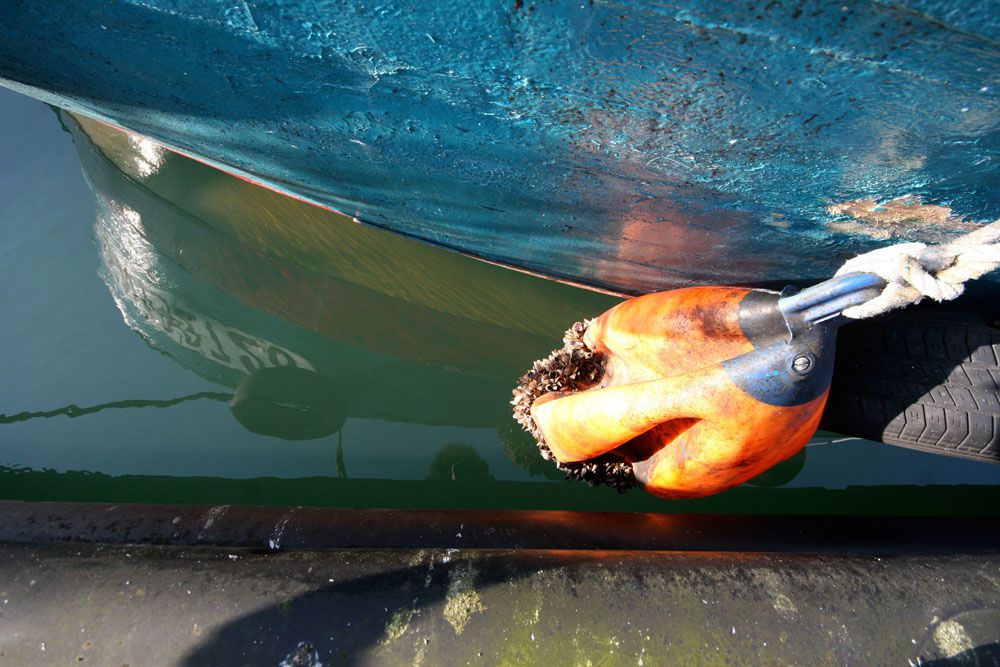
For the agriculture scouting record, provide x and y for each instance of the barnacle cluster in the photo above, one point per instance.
(573, 367)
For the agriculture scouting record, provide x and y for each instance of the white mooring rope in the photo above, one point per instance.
(913, 271)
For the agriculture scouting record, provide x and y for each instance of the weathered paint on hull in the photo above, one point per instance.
(634, 147)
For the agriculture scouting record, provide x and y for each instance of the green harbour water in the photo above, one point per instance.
(174, 334)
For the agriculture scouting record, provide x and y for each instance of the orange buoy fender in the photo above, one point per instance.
(702, 390)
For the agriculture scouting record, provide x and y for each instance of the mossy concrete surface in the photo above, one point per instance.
(66, 603)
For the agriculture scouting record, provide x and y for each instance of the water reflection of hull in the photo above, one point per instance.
(407, 331)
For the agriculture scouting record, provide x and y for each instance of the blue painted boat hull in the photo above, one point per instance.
(632, 147)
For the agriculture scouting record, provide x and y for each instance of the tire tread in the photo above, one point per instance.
(926, 383)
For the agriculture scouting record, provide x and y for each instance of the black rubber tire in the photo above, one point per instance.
(927, 378)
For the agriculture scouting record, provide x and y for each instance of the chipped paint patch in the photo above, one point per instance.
(896, 218)
(908, 208)
(462, 600)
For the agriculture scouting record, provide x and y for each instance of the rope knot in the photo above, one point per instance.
(913, 271)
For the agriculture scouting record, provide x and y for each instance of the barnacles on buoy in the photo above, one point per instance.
(687, 393)
(573, 367)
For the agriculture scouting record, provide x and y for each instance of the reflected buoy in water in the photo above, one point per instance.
(289, 403)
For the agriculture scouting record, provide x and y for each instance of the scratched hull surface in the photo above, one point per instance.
(634, 146)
